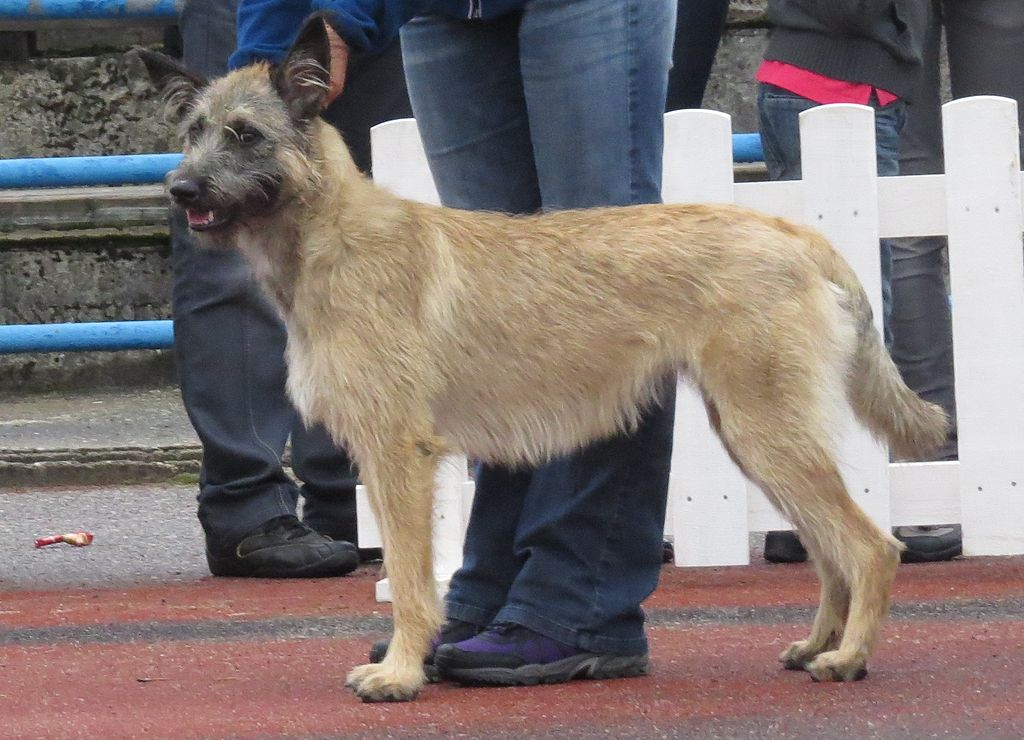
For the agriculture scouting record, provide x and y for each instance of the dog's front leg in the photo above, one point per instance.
(399, 473)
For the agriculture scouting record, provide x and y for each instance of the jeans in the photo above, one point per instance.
(699, 26)
(557, 106)
(779, 112)
(229, 340)
(981, 35)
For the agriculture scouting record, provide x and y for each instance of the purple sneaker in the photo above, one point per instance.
(453, 630)
(508, 654)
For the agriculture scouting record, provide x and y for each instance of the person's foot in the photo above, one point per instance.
(781, 546)
(507, 654)
(283, 547)
(453, 630)
(930, 544)
(343, 533)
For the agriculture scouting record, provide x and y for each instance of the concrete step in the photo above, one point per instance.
(99, 437)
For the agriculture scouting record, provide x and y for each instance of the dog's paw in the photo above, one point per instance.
(835, 666)
(798, 655)
(377, 682)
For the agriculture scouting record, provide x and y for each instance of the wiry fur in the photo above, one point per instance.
(414, 329)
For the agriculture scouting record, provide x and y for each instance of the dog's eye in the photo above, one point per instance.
(194, 131)
(249, 136)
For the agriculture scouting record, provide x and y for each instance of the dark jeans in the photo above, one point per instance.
(229, 341)
(699, 25)
(981, 36)
(559, 106)
(779, 111)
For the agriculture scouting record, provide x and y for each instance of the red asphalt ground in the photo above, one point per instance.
(238, 658)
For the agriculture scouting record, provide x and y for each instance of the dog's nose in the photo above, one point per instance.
(185, 191)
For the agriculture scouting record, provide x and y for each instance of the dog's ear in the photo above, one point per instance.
(304, 77)
(178, 86)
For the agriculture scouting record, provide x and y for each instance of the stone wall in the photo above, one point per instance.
(98, 104)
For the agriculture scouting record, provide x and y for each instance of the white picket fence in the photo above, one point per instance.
(978, 203)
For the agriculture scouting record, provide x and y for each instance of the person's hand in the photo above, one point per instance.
(339, 65)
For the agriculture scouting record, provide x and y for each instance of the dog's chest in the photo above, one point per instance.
(302, 382)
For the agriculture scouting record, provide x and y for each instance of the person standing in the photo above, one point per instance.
(229, 351)
(527, 105)
(985, 45)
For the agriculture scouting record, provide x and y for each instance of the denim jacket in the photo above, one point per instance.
(266, 28)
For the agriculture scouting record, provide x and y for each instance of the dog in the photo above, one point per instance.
(415, 329)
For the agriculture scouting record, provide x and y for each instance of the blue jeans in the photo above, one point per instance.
(558, 106)
(779, 112)
(229, 341)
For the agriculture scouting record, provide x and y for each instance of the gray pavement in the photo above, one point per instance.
(119, 464)
(143, 534)
(98, 437)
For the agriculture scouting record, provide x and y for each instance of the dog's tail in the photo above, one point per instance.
(876, 391)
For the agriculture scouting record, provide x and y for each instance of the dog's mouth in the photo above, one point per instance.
(206, 220)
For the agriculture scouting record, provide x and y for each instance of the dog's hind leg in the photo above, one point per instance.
(834, 604)
(780, 443)
(398, 469)
(829, 622)
(866, 559)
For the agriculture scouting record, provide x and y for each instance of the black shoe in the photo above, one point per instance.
(783, 547)
(453, 630)
(283, 547)
(344, 534)
(930, 544)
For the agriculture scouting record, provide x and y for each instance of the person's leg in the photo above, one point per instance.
(229, 349)
(590, 535)
(922, 327)
(980, 36)
(779, 115)
(466, 92)
(779, 121)
(228, 342)
(375, 92)
(583, 541)
(985, 40)
(699, 25)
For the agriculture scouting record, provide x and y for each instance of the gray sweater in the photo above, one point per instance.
(878, 42)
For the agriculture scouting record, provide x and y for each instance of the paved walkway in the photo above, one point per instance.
(130, 637)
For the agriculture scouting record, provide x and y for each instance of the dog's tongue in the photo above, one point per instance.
(199, 218)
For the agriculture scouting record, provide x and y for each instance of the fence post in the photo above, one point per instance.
(840, 183)
(400, 164)
(707, 492)
(983, 199)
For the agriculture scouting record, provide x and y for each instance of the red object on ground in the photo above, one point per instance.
(78, 539)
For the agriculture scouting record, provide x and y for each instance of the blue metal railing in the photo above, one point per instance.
(136, 169)
(132, 169)
(747, 148)
(50, 10)
(80, 337)
(58, 172)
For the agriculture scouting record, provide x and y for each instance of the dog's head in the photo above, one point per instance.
(246, 136)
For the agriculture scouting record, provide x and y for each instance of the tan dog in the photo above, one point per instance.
(414, 330)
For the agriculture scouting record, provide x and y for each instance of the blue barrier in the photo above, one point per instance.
(50, 10)
(138, 169)
(91, 337)
(115, 169)
(747, 148)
